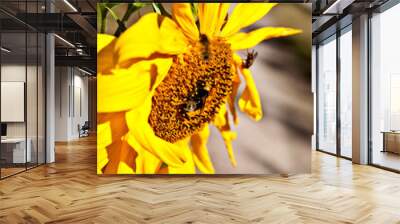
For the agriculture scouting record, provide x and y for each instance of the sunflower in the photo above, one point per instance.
(166, 79)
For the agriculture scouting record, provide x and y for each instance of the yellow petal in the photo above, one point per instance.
(250, 102)
(220, 117)
(228, 137)
(103, 40)
(211, 17)
(159, 71)
(172, 39)
(222, 123)
(244, 15)
(141, 135)
(102, 159)
(106, 58)
(200, 151)
(182, 14)
(222, 15)
(119, 151)
(128, 88)
(123, 168)
(139, 40)
(232, 97)
(104, 138)
(121, 91)
(144, 38)
(117, 124)
(242, 41)
(238, 61)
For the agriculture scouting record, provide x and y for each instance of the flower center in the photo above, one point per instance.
(195, 87)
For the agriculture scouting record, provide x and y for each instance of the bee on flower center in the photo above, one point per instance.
(196, 100)
(250, 58)
(205, 42)
(194, 89)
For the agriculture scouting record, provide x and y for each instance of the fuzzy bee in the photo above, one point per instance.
(196, 99)
(205, 42)
(251, 57)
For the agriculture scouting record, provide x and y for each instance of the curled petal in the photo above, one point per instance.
(222, 123)
(182, 14)
(242, 41)
(200, 151)
(250, 102)
(244, 15)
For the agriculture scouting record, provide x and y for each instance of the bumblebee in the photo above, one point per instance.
(251, 57)
(205, 42)
(196, 100)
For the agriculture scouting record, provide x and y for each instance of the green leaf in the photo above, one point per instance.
(159, 8)
(194, 7)
(105, 8)
(99, 18)
(156, 8)
(112, 13)
(132, 8)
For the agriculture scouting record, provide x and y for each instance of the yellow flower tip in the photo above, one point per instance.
(234, 162)
(228, 137)
(258, 117)
(291, 31)
(201, 156)
(236, 121)
(231, 154)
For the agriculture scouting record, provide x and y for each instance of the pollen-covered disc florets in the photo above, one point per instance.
(195, 87)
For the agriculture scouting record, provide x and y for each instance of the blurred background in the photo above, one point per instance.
(281, 141)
